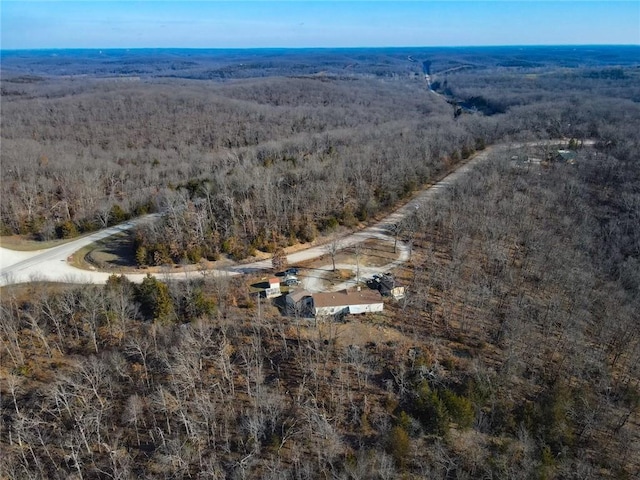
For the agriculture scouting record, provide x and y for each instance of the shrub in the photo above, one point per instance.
(67, 229)
(330, 223)
(117, 215)
(307, 232)
(363, 213)
(117, 282)
(348, 218)
(547, 463)
(194, 254)
(436, 408)
(466, 152)
(155, 301)
(398, 445)
(88, 225)
(141, 256)
(196, 304)
(430, 410)
(460, 408)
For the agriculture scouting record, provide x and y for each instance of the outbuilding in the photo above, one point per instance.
(299, 303)
(274, 288)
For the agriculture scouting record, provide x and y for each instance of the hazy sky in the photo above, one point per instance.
(202, 24)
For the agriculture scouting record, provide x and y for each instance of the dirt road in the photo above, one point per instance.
(51, 264)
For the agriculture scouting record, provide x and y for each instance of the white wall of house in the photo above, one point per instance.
(326, 311)
(366, 308)
(353, 309)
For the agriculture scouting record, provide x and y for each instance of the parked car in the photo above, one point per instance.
(291, 271)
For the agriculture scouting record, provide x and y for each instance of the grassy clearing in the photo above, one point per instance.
(24, 292)
(21, 243)
(114, 253)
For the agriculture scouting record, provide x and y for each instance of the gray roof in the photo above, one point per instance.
(567, 154)
(298, 295)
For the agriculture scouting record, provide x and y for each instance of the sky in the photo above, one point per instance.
(27, 24)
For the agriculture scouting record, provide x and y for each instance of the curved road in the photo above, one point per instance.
(51, 264)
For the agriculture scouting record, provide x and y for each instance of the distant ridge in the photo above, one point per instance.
(228, 63)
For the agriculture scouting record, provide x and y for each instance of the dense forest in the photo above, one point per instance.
(515, 353)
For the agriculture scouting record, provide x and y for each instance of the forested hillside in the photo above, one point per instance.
(254, 161)
(515, 353)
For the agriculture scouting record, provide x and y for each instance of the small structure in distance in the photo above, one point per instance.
(566, 156)
(274, 288)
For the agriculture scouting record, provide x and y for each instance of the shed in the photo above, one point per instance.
(299, 302)
(274, 288)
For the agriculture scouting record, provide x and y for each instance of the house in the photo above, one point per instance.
(346, 301)
(300, 303)
(274, 288)
(566, 156)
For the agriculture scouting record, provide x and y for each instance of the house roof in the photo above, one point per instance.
(274, 281)
(567, 154)
(298, 295)
(346, 298)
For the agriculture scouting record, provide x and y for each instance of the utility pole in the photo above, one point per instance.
(358, 251)
(259, 309)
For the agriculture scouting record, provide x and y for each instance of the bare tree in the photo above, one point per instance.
(279, 259)
(332, 248)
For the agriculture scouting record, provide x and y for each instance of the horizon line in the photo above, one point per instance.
(328, 48)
